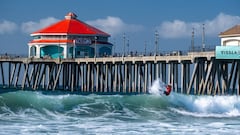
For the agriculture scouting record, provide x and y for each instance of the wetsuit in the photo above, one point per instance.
(168, 90)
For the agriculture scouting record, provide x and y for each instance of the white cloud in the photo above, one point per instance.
(180, 29)
(114, 25)
(29, 27)
(7, 27)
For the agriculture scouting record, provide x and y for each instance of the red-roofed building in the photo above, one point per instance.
(69, 38)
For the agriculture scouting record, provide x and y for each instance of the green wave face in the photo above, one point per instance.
(126, 105)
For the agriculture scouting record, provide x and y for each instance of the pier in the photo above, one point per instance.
(198, 73)
(79, 58)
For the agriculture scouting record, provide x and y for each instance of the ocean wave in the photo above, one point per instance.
(206, 106)
(198, 106)
(132, 107)
(80, 105)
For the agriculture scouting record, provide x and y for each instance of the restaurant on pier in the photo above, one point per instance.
(69, 38)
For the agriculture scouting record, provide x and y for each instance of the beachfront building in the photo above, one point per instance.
(231, 37)
(69, 38)
(230, 44)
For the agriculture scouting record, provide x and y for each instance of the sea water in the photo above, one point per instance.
(32, 112)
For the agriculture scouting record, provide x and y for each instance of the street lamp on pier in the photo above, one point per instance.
(114, 46)
(203, 38)
(128, 45)
(192, 41)
(156, 42)
(124, 43)
(95, 49)
(145, 47)
(59, 48)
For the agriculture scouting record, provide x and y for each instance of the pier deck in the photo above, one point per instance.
(191, 56)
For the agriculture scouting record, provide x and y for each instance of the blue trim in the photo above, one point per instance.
(53, 51)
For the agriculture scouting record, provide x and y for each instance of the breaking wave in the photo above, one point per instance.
(199, 106)
(123, 106)
(35, 112)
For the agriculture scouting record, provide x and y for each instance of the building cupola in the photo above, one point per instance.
(70, 15)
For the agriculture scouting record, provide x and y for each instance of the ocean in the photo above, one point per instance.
(41, 112)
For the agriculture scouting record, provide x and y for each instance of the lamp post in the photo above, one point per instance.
(74, 47)
(95, 49)
(58, 48)
(192, 41)
(124, 40)
(114, 45)
(203, 38)
(156, 42)
(128, 45)
(145, 47)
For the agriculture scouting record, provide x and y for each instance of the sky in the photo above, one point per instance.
(139, 20)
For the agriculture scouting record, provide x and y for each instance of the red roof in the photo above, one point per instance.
(52, 41)
(62, 41)
(70, 25)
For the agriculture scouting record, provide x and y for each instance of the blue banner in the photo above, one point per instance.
(227, 52)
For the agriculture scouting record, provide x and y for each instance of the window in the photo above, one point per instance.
(33, 51)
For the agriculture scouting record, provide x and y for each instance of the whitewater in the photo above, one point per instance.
(31, 112)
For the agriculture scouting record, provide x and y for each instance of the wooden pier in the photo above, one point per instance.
(197, 73)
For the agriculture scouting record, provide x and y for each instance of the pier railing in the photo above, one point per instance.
(173, 57)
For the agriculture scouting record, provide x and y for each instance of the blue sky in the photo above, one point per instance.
(139, 19)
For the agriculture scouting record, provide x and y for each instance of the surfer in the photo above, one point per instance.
(168, 90)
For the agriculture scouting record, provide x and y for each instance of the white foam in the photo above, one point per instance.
(157, 87)
(199, 106)
(216, 124)
(206, 106)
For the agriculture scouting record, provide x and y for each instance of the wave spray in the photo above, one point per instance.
(157, 88)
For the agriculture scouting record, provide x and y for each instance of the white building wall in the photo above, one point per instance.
(37, 51)
(230, 41)
(39, 46)
(65, 51)
(29, 50)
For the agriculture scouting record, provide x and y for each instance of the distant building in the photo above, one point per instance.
(69, 38)
(230, 44)
(231, 37)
